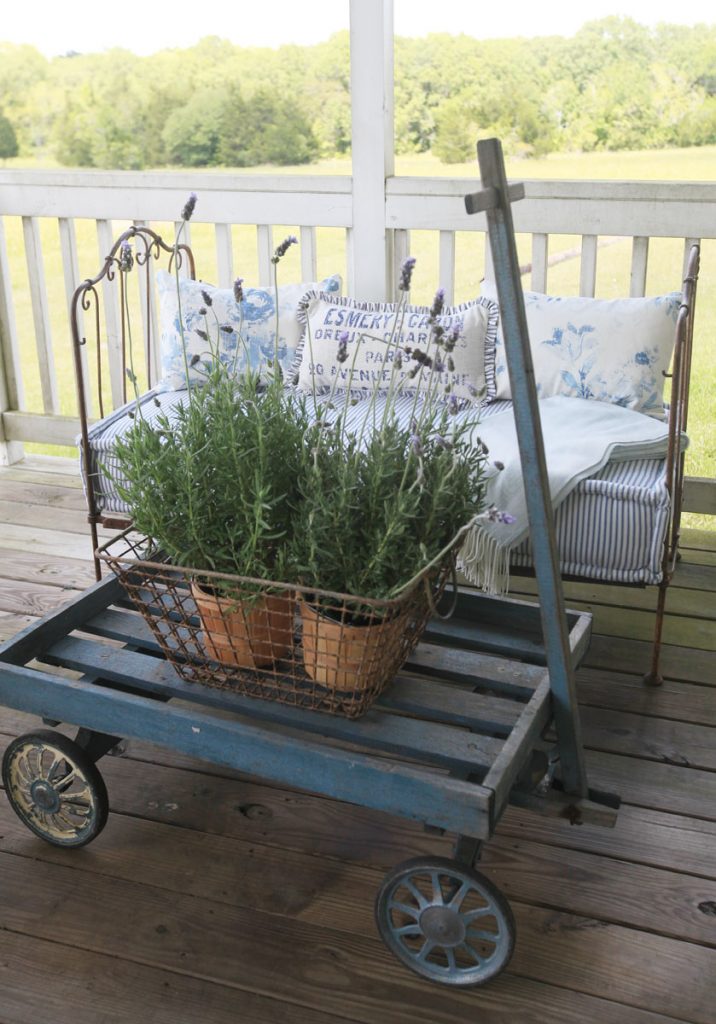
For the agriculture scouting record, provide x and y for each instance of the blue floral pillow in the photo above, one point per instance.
(611, 350)
(254, 319)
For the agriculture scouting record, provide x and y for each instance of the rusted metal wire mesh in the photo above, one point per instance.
(272, 640)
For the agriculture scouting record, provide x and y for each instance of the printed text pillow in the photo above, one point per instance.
(612, 350)
(255, 317)
(370, 326)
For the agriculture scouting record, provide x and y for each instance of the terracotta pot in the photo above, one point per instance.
(347, 657)
(247, 634)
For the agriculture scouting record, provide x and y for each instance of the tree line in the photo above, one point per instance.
(614, 85)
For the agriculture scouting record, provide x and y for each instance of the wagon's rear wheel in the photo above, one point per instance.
(55, 788)
(445, 921)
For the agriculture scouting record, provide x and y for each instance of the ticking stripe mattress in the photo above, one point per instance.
(611, 527)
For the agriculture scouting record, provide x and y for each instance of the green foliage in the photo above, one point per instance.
(246, 482)
(372, 516)
(456, 132)
(23, 73)
(209, 488)
(192, 134)
(383, 501)
(615, 84)
(217, 488)
(8, 139)
(329, 513)
(266, 129)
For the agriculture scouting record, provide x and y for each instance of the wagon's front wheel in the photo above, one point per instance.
(55, 788)
(445, 921)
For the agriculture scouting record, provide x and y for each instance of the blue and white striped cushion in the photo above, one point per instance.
(611, 527)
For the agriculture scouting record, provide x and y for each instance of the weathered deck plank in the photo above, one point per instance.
(48, 495)
(629, 655)
(24, 598)
(339, 972)
(43, 981)
(215, 896)
(641, 835)
(55, 517)
(54, 570)
(680, 702)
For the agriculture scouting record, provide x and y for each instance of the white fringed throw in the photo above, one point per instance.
(580, 437)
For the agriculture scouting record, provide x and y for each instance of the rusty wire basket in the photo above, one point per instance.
(275, 641)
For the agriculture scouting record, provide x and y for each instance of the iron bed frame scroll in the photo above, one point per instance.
(463, 729)
(149, 246)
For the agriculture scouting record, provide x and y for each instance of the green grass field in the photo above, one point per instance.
(665, 262)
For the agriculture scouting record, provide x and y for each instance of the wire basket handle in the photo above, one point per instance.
(434, 610)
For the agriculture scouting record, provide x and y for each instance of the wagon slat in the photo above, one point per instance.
(403, 790)
(438, 700)
(39, 635)
(429, 742)
(514, 679)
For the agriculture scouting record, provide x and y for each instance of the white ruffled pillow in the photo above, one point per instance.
(611, 350)
(369, 325)
(256, 317)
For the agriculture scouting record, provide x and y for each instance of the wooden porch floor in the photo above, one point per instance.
(211, 899)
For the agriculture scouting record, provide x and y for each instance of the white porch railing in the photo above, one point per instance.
(590, 210)
(375, 210)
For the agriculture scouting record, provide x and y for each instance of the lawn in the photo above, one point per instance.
(613, 268)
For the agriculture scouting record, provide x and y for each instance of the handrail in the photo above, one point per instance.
(590, 209)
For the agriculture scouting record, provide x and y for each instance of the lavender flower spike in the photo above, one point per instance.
(189, 205)
(206, 297)
(494, 515)
(283, 248)
(452, 338)
(126, 258)
(438, 303)
(342, 346)
(406, 273)
(238, 289)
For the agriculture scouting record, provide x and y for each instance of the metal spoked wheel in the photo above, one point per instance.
(55, 788)
(445, 921)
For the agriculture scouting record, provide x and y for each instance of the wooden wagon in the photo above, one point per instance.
(483, 713)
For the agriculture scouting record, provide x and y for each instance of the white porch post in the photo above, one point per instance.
(373, 148)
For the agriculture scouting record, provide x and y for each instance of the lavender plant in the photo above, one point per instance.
(216, 487)
(253, 480)
(382, 501)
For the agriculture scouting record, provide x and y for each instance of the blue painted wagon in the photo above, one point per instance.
(483, 712)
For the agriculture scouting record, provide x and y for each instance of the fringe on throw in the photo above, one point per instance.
(484, 562)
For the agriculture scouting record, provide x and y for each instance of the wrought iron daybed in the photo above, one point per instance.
(649, 491)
